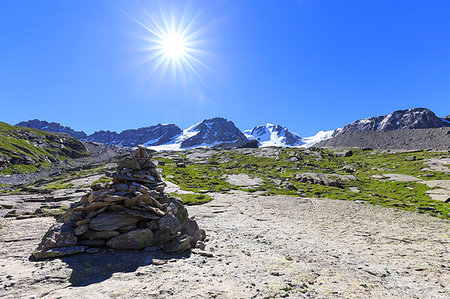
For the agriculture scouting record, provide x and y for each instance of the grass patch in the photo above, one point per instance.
(193, 198)
(285, 164)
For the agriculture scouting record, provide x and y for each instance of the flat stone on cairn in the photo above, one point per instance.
(131, 212)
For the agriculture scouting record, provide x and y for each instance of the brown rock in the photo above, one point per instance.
(92, 206)
(114, 198)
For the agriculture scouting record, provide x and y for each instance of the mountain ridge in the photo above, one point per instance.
(218, 130)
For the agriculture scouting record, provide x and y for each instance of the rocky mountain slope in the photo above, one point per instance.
(273, 135)
(437, 139)
(51, 127)
(416, 118)
(24, 149)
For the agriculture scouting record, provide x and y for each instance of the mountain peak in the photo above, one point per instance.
(274, 135)
(415, 118)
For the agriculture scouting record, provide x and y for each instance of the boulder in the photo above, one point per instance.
(59, 235)
(136, 239)
(169, 222)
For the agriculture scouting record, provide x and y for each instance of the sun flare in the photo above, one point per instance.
(173, 44)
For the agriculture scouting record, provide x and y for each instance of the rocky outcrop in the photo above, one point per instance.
(416, 118)
(213, 131)
(132, 212)
(273, 135)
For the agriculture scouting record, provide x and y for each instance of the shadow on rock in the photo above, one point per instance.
(93, 268)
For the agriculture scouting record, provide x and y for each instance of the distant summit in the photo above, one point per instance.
(211, 132)
(416, 118)
(51, 127)
(274, 135)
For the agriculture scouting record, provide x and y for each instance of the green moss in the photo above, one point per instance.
(102, 180)
(292, 161)
(193, 199)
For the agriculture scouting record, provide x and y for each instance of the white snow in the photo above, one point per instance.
(321, 135)
(267, 135)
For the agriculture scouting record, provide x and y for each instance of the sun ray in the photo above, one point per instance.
(173, 43)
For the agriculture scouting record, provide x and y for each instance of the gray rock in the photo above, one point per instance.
(169, 222)
(81, 229)
(189, 227)
(411, 158)
(137, 239)
(200, 245)
(58, 252)
(178, 244)
(130, 163)
(110, 221)
(59, 235)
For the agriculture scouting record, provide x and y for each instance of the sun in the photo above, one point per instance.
(173, 44)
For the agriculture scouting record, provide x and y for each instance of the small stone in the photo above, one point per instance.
(200, 245)
(158, 262)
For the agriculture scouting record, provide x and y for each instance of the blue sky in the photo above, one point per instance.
(308, 65)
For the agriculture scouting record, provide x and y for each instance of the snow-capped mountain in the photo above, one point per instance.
(149, 136)
(320, 136)
(416, 118)
(206, 133)
(273, 135)
(276, 135)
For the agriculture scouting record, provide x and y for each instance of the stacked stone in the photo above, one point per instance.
(132, 212)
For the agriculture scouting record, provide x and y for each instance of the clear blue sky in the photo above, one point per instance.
(308, 65)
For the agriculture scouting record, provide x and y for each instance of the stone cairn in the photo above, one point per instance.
(131, 212)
